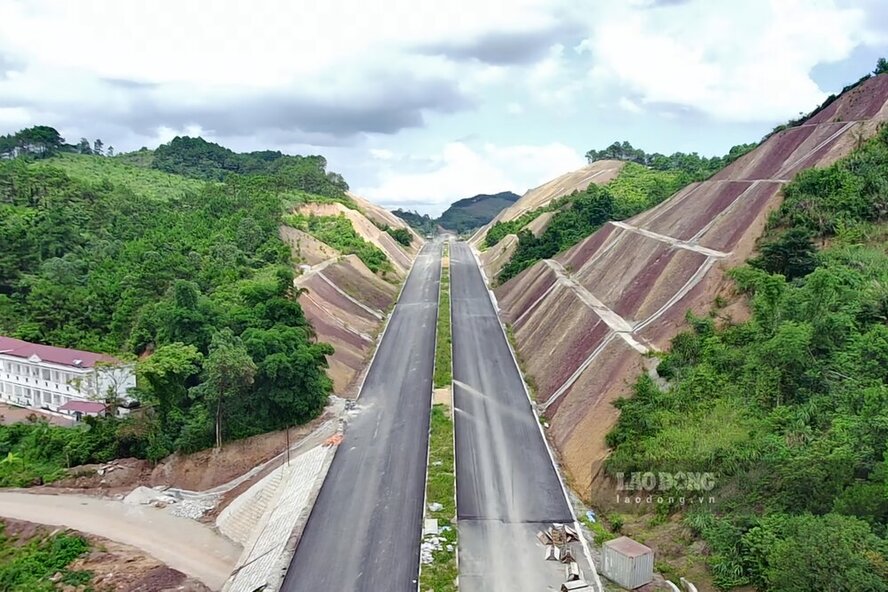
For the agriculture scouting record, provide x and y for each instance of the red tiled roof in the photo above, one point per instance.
(48, 353)
(83, 406)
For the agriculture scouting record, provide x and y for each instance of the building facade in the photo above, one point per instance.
(53, 378)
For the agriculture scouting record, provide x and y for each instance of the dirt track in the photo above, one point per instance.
(180, 543)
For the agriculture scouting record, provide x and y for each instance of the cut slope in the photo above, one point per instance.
(345, 303)
(599, 172)
(343, 300)
(399, 256)
(583, 320)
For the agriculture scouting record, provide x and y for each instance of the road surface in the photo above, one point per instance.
(184, 544)
(507, 488)
(364, 531)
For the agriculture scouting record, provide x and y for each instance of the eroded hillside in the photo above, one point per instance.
(585, 319)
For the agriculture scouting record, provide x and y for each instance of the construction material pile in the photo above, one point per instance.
(558, 539)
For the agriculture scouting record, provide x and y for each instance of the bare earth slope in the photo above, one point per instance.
(583, 321)
(599, 172)
(345, 302)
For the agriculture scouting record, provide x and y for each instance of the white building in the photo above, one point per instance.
(62, 380)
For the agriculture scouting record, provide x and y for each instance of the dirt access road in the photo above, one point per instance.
(183, 544)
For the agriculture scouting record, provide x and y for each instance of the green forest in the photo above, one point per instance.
(698, 167)
(789, 409)
(111, 257)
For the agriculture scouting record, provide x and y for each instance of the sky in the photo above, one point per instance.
(419, 103)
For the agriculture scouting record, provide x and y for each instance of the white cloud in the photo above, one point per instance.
(627, 104)
(461, 170)
(746, 61)
(382, 154)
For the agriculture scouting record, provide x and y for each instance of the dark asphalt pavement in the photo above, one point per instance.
(507, 487)
(364, 531)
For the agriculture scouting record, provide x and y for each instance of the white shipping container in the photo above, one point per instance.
(628, 563)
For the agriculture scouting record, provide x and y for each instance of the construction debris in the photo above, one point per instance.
(572, 572)
(429, 545)
(575, 585)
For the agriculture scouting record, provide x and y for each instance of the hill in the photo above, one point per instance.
(423, 223)
(764, 380)
(107, 254)
(472, 212)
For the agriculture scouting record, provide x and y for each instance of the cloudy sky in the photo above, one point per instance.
(421, 102)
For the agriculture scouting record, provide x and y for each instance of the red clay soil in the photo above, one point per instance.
(115, 567)
(196, 472)
(339, 321)
(650, 281)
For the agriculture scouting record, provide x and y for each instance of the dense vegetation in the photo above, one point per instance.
(697, 167)
(423, 223)
(38, 142)
(443, 346)
(476, 211)
(789, 409)
(197, 158)
(41, 562)
(36, 453)
(636, 189)
(196, 275)
(402, 235)
(338, 232)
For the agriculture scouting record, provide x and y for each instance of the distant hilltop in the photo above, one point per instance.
(463, 215)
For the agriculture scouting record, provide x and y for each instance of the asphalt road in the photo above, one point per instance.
(364, 531)
(507, 488)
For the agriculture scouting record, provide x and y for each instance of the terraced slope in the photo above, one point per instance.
(584, 320)
(599, 172)
(343, 299)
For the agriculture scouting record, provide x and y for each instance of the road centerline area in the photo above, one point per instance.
(363, 533)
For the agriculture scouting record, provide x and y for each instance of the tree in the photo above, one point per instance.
(83, 146)
(881, 67)
(402, 235)
(839, 553)
(229, 371)
(792, 255)
(110, 150)
(98, 146)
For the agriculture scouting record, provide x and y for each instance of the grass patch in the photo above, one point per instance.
(443, 364)
(440, 575)
(338, 232)
(31, 564)
(600, 534)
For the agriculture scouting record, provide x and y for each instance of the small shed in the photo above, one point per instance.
(79, 408)
(628, 563)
